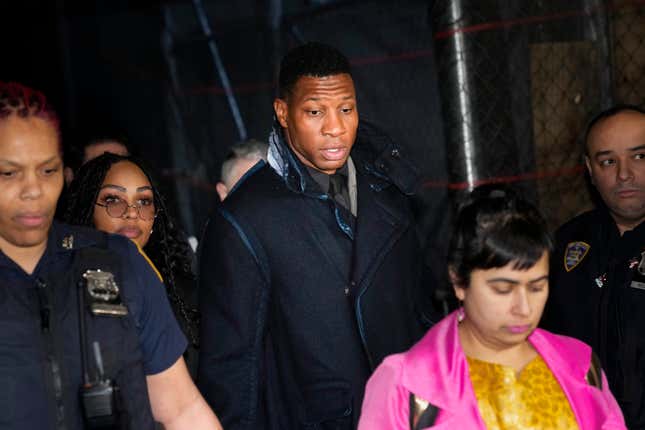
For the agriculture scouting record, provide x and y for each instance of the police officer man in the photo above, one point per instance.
(598, 268)
(87, 338)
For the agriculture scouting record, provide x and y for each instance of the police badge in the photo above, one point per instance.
(104, 292)
(574, 254)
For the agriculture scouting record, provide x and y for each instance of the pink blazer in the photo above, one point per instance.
(436, 370)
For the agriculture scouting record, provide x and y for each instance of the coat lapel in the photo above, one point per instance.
(380, 223)
(334, 244)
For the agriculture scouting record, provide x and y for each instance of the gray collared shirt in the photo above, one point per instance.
(348, 170)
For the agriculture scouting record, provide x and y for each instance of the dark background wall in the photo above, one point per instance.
(475, 91)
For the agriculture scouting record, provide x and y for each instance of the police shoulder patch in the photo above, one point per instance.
(574, 254)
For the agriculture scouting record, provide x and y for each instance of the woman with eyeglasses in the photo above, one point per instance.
(117, 194)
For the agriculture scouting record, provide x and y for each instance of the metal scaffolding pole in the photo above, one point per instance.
(599, 28)
(179, 144)
(219, 66)
(457, 85)
(275, 21)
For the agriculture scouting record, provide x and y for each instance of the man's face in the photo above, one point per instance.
(320, 119)
(31, 179)
(616, 163)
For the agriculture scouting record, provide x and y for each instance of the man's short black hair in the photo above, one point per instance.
(311, 59)
(608, 113)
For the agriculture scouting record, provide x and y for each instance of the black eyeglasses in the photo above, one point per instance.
(116, 208)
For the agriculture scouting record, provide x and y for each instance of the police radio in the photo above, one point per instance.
(99, 397)
(98, 393)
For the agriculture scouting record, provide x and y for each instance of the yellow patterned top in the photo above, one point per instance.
(533, 400)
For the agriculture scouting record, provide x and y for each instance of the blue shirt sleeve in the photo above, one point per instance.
(162, 341)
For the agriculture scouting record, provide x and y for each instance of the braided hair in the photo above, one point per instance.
(165, 248)
(20, 100)
(24, 102)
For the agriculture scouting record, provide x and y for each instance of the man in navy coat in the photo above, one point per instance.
(310, 270)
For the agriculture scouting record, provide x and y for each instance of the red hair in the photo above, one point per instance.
(18, 99)
(25, 102)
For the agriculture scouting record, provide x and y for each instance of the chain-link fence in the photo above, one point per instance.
(522, 79)
(476, 91)
(628, 51)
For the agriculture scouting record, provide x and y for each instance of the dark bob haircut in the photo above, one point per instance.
(496, 227)
(311, 59)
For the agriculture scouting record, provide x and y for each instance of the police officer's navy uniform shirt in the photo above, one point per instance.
(160, 338)
(598, 296)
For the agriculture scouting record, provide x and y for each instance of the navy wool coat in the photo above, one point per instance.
(298, 303)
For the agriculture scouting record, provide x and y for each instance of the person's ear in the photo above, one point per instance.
(457, 283)
(222, 190)
(281, 109)
(588, 164)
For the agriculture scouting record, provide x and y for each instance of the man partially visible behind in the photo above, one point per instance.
(598, 267)
(310, 272)
(100, 146)
(91, 148)
(241, 158)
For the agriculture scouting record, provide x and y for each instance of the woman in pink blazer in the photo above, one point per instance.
(487, 365)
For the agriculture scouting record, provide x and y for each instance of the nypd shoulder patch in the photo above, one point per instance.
(574, 254)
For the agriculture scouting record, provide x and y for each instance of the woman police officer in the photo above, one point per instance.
(41, 315)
